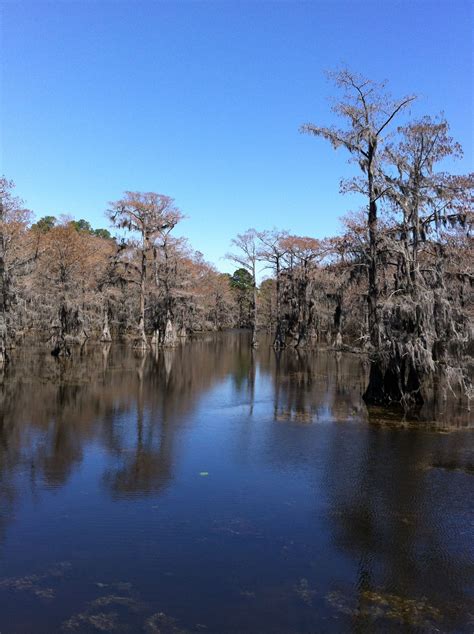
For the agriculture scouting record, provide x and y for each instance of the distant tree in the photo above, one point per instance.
(82, 225)
(242, 288)
(247, 256)
(44, 224)
(272, 250)
(173, 261)
(346, 269)
(241, 279)
(267, 303)
(302, 255)
(147, 215)
(67, 284)
(102, 233)
(221, 306)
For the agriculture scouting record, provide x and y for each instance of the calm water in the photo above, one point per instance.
(207, 489)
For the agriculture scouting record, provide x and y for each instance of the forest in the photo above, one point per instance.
(395, 285)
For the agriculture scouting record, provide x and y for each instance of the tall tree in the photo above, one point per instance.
(422, 327)
(368, 110)
(273, 248)
(13, 221)
(67, 284)
(148, 215)
(247, 256)
(171, 257)
(4, 192)
(300, 288)
(242, 290)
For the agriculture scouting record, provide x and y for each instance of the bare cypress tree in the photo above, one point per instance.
(368, 110)
(300, 289)
(247, 257)
(273, 250)
(148, 215)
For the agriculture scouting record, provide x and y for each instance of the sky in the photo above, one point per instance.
(202, 101)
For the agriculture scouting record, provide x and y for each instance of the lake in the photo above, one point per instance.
(213, 489)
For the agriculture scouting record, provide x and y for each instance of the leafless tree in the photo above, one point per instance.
(273, 249)
(368, 110)
(247, 257)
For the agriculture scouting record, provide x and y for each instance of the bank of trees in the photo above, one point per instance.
(64, 282)
(417, 316)
(397, 282)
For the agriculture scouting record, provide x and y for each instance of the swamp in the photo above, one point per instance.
(236, 317)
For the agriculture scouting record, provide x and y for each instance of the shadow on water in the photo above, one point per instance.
(214, 488)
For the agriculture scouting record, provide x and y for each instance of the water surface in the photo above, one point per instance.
(211, 489)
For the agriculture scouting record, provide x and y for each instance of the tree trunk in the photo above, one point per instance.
(3, 320)
(373, 290)
(106, 336)
(170, 337)
(278, 342)
(3, 352)
(375, 393)
(61, 347)
(254, 313)
(338, 323)
(141, 341)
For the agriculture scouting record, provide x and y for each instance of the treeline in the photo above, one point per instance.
(63, 282)
(396, 283)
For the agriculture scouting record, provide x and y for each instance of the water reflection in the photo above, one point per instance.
(311, 387)
(383, 516)
(213, 485)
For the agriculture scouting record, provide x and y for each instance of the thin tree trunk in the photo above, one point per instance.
(278, 341)
(106, 337)
(3, 320)
(254, 311)
(373, 291)
(142, 341)
(375, 393)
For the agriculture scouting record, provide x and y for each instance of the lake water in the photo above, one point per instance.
(211, 489)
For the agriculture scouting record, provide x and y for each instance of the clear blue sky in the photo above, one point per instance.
(202, 101)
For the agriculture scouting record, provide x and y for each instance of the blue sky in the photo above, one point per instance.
(202, 101)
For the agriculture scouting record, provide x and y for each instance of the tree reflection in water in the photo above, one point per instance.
(316, 515)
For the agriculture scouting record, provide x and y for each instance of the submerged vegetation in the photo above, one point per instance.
(371, 606)
(396, 284)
